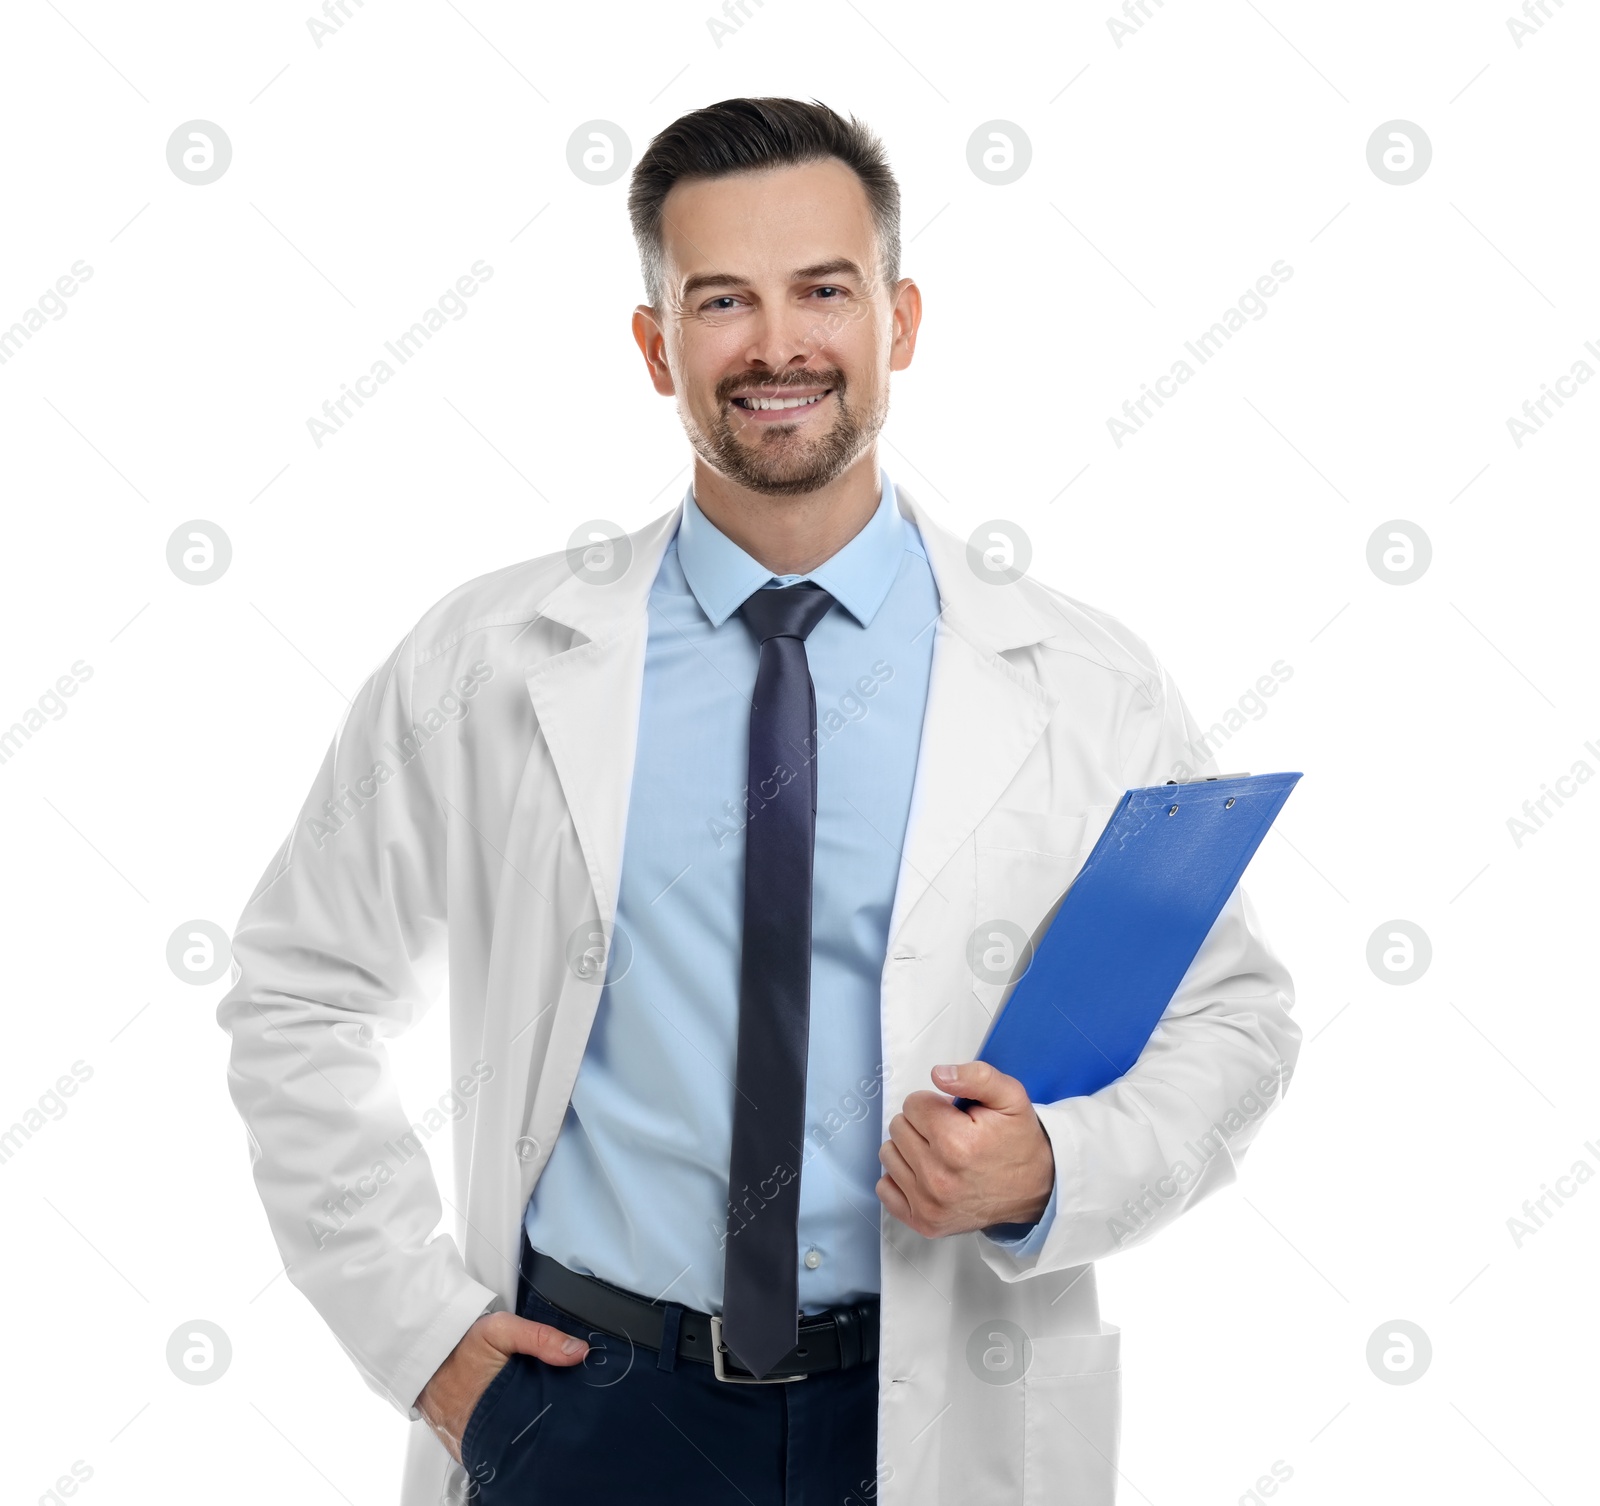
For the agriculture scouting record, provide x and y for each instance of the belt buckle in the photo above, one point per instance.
(718, 1349)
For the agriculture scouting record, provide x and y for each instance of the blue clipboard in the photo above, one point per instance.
(1141, 907)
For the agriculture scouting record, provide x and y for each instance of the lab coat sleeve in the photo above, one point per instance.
(1134, 1156)
(341, 946)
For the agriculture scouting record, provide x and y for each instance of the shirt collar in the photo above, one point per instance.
(858, 576)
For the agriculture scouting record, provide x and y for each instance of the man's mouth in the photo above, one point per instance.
(754, 403)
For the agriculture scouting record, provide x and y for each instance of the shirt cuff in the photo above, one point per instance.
(1026, 1239)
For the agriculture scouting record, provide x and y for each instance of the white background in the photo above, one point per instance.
(1231, 532)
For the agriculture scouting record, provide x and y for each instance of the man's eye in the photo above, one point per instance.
(830, 289)
(722, 304)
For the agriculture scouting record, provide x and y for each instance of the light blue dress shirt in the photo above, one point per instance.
(636, 1189)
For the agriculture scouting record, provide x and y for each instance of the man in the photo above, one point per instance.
(705, 824)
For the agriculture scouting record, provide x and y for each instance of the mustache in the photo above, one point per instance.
(728, 386)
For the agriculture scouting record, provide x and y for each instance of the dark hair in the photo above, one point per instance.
(746, 135)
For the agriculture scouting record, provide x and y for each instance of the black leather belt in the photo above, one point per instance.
(837, 1339)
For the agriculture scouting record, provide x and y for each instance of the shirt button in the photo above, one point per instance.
(813, 1258)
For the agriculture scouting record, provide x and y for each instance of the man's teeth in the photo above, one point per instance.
(762, 404)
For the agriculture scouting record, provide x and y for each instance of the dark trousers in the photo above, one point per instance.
(629, 1425)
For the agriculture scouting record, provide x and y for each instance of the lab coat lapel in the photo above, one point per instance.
(983, 715)
(587, 701)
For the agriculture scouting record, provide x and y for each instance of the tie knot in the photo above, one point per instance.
(785, 612)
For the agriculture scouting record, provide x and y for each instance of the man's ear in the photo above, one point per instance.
(906, 317)
(652, 343)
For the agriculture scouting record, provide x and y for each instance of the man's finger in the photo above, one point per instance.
(984, 1083)
(892, 1198)
(924, 1110)
(896, 1165)
(516, 1335)
(915, 1152)
(906, 1135)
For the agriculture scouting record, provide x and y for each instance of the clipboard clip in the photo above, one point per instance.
(1211, 778)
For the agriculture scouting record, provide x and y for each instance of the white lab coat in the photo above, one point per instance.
(479, 861)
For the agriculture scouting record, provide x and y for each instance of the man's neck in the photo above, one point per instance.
(791, 535)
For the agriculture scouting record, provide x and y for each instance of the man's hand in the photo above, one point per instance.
(950, 1170)
(485, 1348)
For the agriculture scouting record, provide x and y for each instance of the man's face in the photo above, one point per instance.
(776, 332)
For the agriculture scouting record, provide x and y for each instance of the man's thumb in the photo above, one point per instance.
(521, 1335)
(980, 1081)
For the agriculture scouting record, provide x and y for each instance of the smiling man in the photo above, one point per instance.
(742, 795)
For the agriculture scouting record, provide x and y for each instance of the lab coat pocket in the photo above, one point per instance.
(1072, 1404)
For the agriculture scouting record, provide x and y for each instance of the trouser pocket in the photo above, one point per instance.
(481, 1438)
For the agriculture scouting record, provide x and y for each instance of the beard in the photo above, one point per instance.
(787, 460)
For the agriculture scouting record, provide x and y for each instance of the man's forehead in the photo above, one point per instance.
(786, 221)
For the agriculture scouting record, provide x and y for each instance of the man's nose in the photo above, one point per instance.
(786, 337)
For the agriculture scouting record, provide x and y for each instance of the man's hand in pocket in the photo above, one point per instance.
(485, 1349)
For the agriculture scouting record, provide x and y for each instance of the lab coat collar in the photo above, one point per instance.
(995, 617)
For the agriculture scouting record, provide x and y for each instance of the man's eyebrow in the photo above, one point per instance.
(702, 280)
(838, 267)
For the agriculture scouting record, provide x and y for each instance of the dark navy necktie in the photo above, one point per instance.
(760, 1304)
